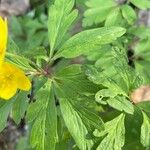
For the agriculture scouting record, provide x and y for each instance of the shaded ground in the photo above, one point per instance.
(13, 7)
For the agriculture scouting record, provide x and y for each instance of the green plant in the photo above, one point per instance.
(81, 84)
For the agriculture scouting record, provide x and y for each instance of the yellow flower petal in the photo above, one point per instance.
(8, 88)
(11, 79)
(23, 82)
(3, 38)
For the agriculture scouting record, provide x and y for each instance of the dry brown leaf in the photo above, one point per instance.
(141, 94)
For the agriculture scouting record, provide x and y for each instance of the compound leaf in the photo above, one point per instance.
(114, 134)
(89, 40)
(129, 14)
(60, 19)
(43, 115)
(97, 11)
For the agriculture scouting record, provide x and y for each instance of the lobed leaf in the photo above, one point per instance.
(89, 40)
(5, 108)
(60, 19)
(97, 11)
(20, 105)
(129, 14)
(145, 131)
(122, 104)
(114, 134)
(43, 115)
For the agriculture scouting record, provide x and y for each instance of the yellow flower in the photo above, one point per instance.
(11, 77)
(3, 38)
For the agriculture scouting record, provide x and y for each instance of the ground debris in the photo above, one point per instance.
(141, 94)
(13, 7)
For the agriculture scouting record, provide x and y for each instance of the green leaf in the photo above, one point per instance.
(91, 120)
(38, 83)
(98, 54)
(129, 14)
(76, 86)
(145, 131)
(142, 4)
(89, 40)
(20, 61)
(51, 137)
(141, 68)
(16, 26)
(36, 52)
(140, 32)
(97, 11)
(79, 119)
(33, 110)
(121, 103)
(113, 18)
(5, 108)
(115, 134)
(104, 93)
(29, 31)
(69, 71)
(74, 82)
(75, 124)
(142, 49)
(43, 114)
(12, 46)
(37, 138)
(144, 106)
(20, 105)
(120, 62)
(108, 78)
(23, 58)
(60, 19)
